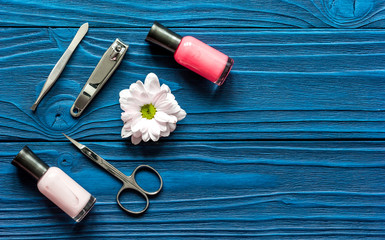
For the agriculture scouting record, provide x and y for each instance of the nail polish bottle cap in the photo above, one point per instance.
(164, 37)
(31, 163)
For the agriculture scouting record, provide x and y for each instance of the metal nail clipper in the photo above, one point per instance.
(103, 71)
(60, 65)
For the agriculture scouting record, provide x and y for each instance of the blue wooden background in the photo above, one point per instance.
(292, 146)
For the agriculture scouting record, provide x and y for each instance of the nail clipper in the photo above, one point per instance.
(103, 71)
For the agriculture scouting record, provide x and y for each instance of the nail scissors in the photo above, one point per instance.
(129, 182)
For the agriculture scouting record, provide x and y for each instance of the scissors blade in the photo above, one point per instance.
(60, 65)
(99, 160)
(76, 143)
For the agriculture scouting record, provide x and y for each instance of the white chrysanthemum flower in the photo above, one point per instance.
(150, 110)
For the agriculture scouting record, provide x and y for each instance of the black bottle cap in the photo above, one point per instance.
(164, 37)
(31, 163)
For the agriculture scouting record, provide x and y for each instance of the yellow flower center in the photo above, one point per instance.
(148, 111)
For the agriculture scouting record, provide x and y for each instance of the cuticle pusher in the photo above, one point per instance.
(60, 65)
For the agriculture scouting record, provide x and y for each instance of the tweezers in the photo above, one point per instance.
(60, 65)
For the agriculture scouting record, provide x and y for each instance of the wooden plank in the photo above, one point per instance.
(313, 84)
(271, 189)
(205, 13)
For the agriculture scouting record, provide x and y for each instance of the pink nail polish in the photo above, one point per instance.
(56, 185)
(192, 53)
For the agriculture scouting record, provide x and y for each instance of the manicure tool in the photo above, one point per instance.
(103, 71)
(129, 182)
(60, 65)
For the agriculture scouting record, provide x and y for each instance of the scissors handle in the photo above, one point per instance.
(131, 184)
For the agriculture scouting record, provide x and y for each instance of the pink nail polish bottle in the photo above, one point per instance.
(192, 53)
(56, 185)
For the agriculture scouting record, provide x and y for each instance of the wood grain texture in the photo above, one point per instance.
(203, 13)
(275, 190)
(265, 156)
(284, 85)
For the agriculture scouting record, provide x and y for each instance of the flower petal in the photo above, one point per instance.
(159, 98)
(125, 116)
(132, 102)
(164, 106)
(137, 87)
(146, 136)
(125, 93)
(164, 117)
(165, 133)
(170, 96)
(136, 140)
(172, 126)
(175, 108)
(154, 130)
(137, 134)
(145, 125)
(126, 131)
(165, 88)
(137, 125)
(139, 93)
(130, 118)
(130, 107)
(162, 126)
(151, 83)
(181, 114)
(169, 107)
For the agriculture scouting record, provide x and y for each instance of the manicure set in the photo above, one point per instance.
(56, 185)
